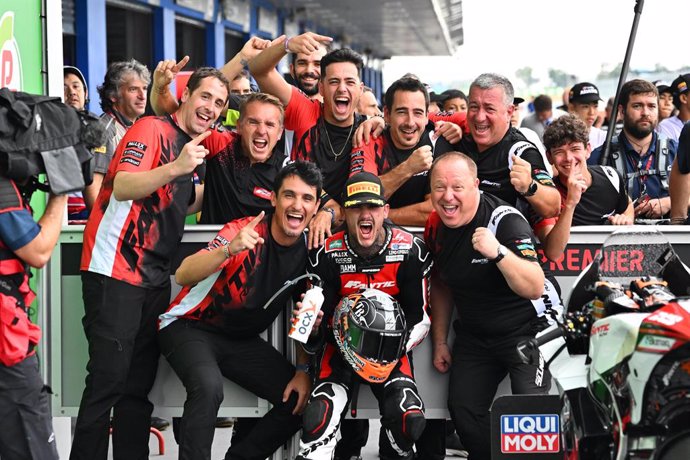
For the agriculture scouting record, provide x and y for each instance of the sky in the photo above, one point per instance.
(577, 36)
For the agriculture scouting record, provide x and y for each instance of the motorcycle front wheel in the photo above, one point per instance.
(676, 447)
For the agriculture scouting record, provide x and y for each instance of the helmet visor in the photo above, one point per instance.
(382, 347)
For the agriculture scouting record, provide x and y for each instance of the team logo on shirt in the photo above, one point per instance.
(334, 245)
(262, 193)
(137, 145)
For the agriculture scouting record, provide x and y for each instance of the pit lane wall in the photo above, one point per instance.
(67, 350)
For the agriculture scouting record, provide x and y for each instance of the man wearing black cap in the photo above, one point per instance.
(76, 95)
(371, 253)
(666, 108)
(583, 102)
(672, 126)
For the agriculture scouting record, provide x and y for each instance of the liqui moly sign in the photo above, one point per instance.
(537, 434)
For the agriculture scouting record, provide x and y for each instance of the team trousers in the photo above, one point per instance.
(479, 365)
(202, 359)
(26, 429)
(120, 323)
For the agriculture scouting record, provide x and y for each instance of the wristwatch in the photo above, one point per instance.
(303, 368)
(502, 252)
(531, 190)
(331, 211)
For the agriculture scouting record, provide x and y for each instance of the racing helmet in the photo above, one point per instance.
(370, 331)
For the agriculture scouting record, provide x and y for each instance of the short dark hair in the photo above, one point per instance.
(634, 87)
(542, 103)
(115, 77)
(264, 99)
(405, 84)
(244, 73)
(204, 72)
(305, 170)
(454, 94)
(341, 55)
(564, 130)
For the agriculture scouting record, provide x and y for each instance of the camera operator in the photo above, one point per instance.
(25, 422)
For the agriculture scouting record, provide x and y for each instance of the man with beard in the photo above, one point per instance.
(305, 70)
(403, 154)
(129, 240)
(509, 166)
(371, 253)
(642, 156)
(212, 328)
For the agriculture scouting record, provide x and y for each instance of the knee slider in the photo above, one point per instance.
(327, 401)
(413, 423)
(406, 409)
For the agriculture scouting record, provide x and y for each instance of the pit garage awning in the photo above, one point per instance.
(385, 28)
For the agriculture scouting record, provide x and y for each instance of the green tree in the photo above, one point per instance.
(525, 74)
(561, 78)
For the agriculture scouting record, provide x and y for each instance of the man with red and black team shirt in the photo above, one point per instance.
(485, 263)
(369, 254)
(508, 165)
(403, 154)
(323, 131)
(133, 231)
(26, 430)
(211, 330)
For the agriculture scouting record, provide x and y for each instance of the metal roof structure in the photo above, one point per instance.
(386, 28)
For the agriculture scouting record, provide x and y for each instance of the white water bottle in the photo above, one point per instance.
(306, 317)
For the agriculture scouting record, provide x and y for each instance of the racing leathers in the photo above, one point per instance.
(401, 269)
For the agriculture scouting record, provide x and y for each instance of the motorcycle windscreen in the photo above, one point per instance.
(375, 345)
(629, 255)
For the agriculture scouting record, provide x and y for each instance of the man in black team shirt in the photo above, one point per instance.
(403, 154)
(486, 264)
(590, 195)
(508, 165)
(680, 179)
(240, 176)
(211, 330)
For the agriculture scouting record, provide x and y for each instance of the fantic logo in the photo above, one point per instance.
(537, 434)
(353, 284)
(10, 61)
(602, 329)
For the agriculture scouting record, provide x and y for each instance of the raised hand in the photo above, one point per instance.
(521, 174)
(191, 156)
(420, 160)
(248, 237)
(166, 71)
(307, 43)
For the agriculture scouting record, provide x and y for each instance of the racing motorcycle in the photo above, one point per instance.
(621, 356)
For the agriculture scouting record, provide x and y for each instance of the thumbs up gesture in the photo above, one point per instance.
(521, 174)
